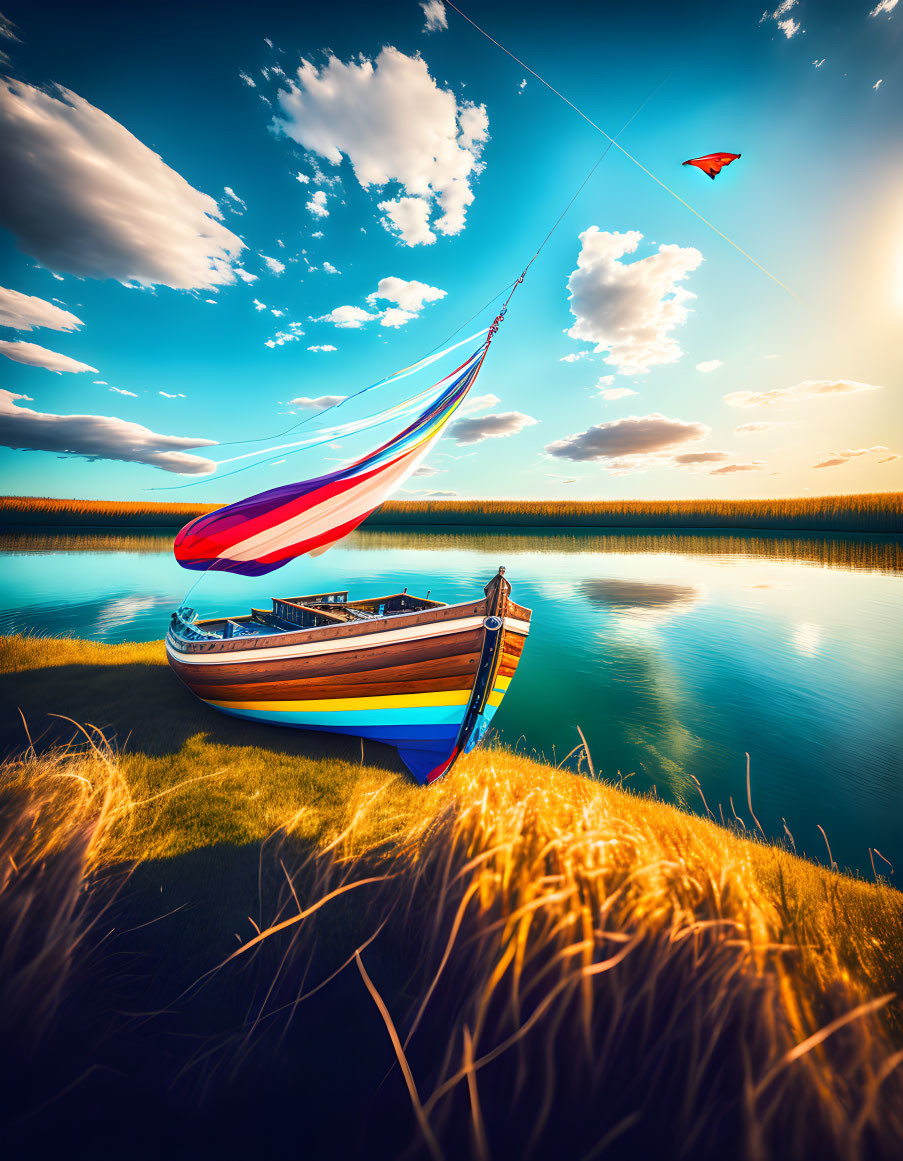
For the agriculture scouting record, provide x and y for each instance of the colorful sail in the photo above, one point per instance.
(261, 533)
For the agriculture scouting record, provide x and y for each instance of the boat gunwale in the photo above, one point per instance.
(278, 649)
(323, 633)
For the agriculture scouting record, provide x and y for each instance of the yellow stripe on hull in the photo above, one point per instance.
(395, 701)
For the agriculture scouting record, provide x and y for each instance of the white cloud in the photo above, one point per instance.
(258, 305)
(522, 85)
(249, 81)
(305, 403)
(323, 347)
(409, 218)
(274, 264)
(411, 295)
(754, 428)
(166, 395)
(98, 437)
(610, 394)
(575, 356)
(819, 63)
(33, 355)
(347, 317)
(787, 24)
(330, 269)
(884, 6)
(629, 309)
(317, 204)
(303, 178)
(635, 435)
(25, 312)
(427, 470)
(498, 426)
(395, 125)
(878, 84)
(695, 459)
(317, 234)
(435, 15)
(409, 298)
(84, 196)
(808, 389)
(245, 276)
(283, 337)
(122, 391)
(728, 469)
(835, 459)
(474, 403)
(396, 317)
(100, 383)
(235, 202)
(709, 365)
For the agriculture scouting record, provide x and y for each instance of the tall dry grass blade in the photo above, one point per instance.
(481, 1144)
(589, 758)
(702, 796)
(422, 1119)
(820, 1037)
(828, 845)
(880, 856)
(749, 801)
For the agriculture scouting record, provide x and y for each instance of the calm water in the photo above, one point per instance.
(673, 653)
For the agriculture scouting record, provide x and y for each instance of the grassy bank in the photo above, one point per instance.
(311, 953)
(868, 512)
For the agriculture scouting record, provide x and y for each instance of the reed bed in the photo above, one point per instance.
(867, 512)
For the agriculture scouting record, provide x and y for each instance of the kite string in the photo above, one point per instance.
(628, 155)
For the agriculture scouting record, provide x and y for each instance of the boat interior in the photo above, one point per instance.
(288, 614)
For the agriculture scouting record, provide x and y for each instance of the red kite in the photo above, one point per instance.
(712, 163)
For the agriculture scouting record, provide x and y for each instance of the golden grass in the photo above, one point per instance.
(558, 967)
(133, 513)
(866, 512)
(21, 652)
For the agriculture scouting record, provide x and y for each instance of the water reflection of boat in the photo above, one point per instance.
(417, 674)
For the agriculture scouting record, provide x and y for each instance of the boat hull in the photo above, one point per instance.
(427, 683)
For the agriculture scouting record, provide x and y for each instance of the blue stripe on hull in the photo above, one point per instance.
(436, 736)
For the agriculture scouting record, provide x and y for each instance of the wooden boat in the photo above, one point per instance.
(420, 675)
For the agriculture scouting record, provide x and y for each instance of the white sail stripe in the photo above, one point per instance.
(330, 513)
(342, 644)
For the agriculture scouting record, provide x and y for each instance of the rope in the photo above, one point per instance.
(629, 156)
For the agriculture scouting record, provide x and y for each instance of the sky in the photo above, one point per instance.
(216, 220)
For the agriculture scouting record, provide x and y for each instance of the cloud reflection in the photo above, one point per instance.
(640, 598)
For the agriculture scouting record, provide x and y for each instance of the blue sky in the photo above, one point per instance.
(94, 224)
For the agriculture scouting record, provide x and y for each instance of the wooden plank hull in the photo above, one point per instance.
(427, 683)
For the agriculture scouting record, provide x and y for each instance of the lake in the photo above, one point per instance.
(674, 652)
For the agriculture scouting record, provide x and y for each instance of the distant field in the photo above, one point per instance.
(866, 512)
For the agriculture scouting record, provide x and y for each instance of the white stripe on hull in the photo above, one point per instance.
(342, 644)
